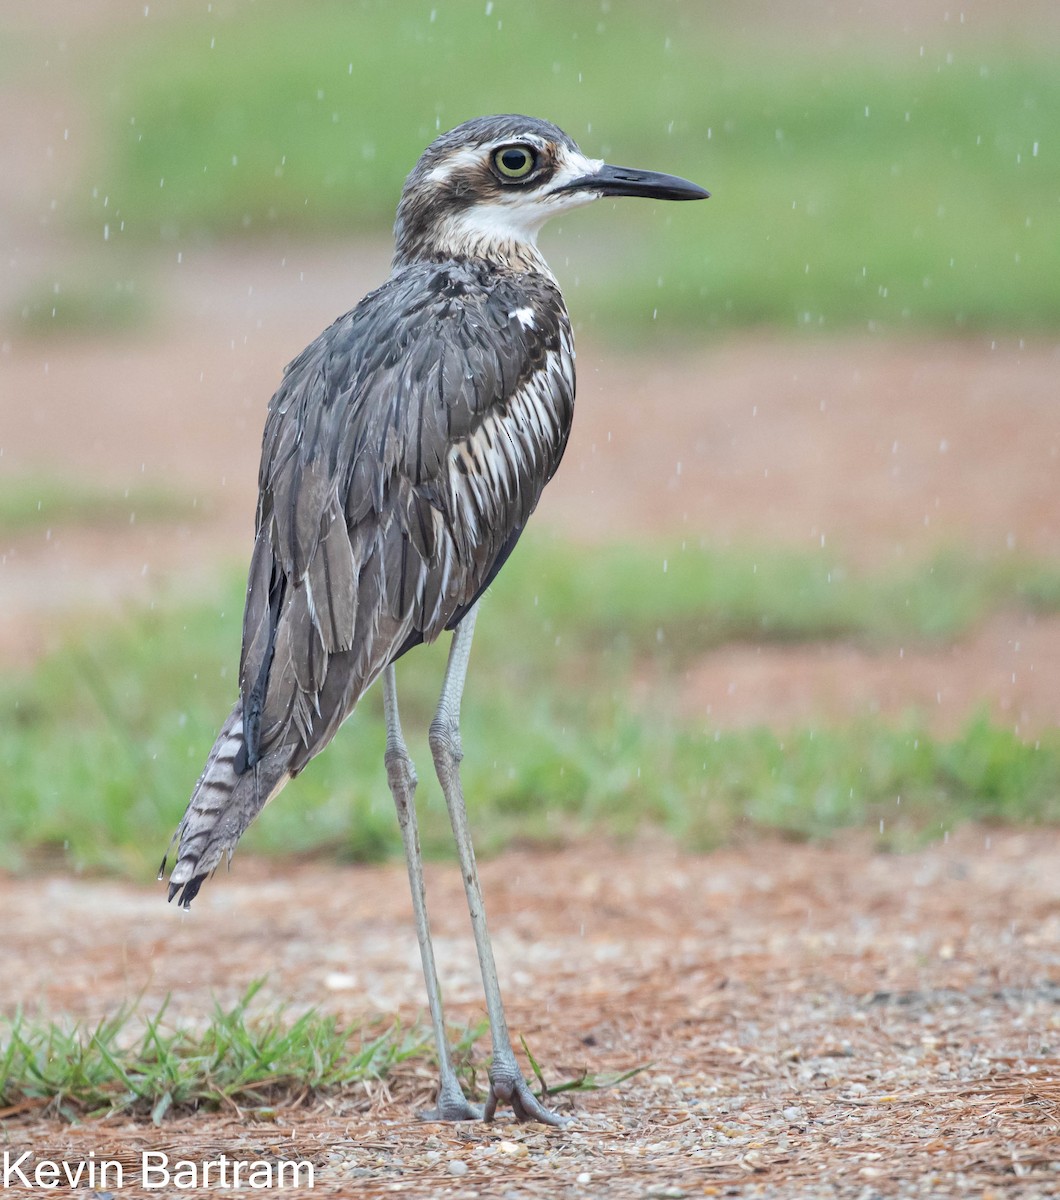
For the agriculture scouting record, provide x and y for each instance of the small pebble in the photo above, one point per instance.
(584, 1177)
(457, 1166)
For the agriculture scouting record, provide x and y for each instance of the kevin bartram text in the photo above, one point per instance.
(155, 1169)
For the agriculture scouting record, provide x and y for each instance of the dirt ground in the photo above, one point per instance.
(818, 1021)
(814, 1021)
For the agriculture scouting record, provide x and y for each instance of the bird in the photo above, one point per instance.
(403, 454)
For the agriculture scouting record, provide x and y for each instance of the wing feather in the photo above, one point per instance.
(403, 453)
(331, 575)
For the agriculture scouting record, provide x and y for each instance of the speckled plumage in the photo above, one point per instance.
(403, 455)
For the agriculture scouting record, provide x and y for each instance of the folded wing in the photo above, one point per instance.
(403, 455)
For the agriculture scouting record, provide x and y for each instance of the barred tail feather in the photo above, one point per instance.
(221, 807)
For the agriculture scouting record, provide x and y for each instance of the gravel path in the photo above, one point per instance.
(818, 1022)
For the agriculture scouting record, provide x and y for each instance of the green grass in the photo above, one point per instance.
(32, 502)
(139, 1064)
(101, 744)
(144, 1066)
(688, 597)
(892, 187)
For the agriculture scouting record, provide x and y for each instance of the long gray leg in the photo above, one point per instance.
(451, 1105)
(506, 1080)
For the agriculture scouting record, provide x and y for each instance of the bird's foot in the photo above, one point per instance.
(507, 1086)
(451, 1105)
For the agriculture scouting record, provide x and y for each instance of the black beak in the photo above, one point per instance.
(627, 181)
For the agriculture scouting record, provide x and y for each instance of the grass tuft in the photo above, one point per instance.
(585, 1081)
(136, 1064)
(140, 1066)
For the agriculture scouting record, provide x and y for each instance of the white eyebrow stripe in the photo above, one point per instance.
(466, 156)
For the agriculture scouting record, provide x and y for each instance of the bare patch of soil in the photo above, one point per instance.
(805, 1012)
(1007, 669)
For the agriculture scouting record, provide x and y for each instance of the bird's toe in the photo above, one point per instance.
(451, 1105)
(512, 1089)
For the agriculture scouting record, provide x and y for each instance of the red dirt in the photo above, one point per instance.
(819, 1021)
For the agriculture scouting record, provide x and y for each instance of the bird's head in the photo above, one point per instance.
(485, 188)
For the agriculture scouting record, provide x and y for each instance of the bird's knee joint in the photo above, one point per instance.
(400, 769)
(444, 741)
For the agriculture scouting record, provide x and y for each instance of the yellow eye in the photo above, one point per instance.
(515, 162)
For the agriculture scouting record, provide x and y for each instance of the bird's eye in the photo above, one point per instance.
(515, 162)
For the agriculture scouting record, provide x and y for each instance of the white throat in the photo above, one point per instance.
(507, 229)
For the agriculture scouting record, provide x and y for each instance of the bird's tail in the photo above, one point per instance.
(222, 805)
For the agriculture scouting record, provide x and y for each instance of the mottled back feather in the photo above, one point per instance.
(403, 454)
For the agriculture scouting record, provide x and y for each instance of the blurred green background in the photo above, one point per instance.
(867, 178)
(892, 182)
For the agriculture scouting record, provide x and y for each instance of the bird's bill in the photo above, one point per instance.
(628, 181)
